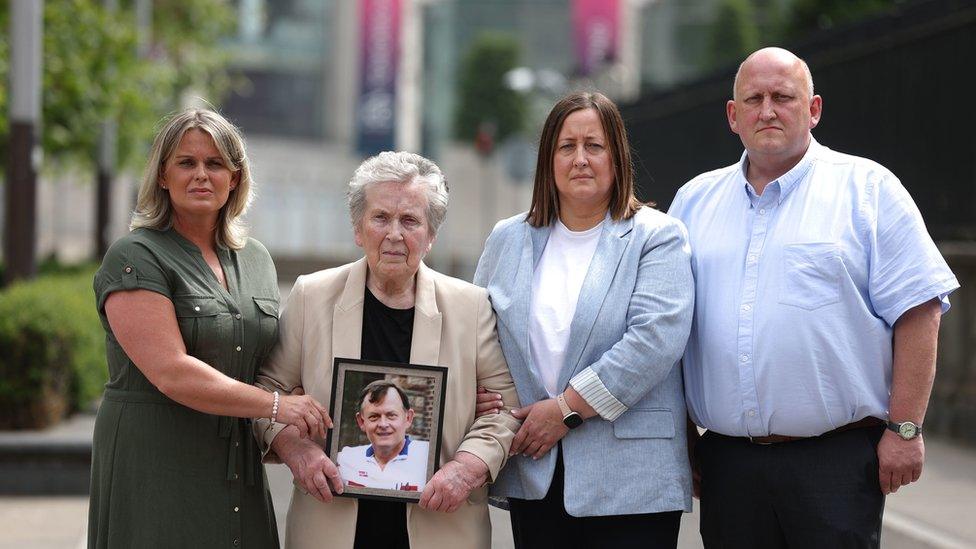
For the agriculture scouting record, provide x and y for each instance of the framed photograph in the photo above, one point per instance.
(387, 424)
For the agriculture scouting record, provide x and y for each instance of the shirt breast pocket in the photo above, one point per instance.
(267, 321)
(811, 275)
(197, 317)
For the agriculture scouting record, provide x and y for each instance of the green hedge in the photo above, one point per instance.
(52, 349)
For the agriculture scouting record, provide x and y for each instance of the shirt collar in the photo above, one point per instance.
(784, 184)
(403, 451)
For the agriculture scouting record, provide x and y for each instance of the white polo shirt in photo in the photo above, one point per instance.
(407, 471)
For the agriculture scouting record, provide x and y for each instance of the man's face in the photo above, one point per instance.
(385, 422)
(772, 111)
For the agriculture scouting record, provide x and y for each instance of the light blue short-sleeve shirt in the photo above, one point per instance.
(797, 293)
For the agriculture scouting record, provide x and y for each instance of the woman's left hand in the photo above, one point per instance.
(542, 427)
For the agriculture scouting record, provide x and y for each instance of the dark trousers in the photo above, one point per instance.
(545, 523)
(817, 492)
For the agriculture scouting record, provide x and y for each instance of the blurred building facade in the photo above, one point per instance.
(310, 81)
(300, 68)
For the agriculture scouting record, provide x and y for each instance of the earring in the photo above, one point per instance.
(165, 188)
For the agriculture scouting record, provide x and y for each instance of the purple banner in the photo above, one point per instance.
(379, 55)
(596, 34)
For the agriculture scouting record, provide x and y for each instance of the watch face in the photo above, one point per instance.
(573, 420)
(907, 430)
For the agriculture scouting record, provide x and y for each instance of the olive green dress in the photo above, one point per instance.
(164, 475)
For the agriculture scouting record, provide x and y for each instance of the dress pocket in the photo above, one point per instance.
(267, 321)
(195, 314)
(811, 275)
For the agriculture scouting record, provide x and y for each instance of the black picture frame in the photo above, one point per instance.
(425, 387)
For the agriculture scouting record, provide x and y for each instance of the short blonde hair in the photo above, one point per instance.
(153, 207)
(400, 167)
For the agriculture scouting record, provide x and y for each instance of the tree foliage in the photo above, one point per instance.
(91, 71)
(733, 33)
(483, 94)
(808, 16)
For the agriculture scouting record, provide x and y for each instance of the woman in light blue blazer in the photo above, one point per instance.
(593, 295)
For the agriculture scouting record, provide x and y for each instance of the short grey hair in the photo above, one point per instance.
(404, 168)
(803, 64)
(153, 207)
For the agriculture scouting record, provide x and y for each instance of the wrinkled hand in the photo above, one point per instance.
(900, 461)
(312, 469)
(542, 427)
(305, 413)
(452, 484)
(487, 402)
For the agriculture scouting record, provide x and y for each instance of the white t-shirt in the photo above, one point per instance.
(407, 471)
(556, 286)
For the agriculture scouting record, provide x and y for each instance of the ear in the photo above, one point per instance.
(410, 415)
(730, 114)
(816, 109)
(430, 244)
(357, 233)
(360, 421)
(235, 179)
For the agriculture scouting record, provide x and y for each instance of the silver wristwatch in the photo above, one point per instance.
(907, 430)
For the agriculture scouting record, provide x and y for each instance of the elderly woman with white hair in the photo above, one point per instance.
(189, 305)
(389, 306)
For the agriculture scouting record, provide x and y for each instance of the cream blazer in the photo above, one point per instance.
(454, 326)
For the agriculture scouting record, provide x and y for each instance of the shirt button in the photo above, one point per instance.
(752, 413)
(747, 307)
(237, 316)
(236, 476)
(236, 444)
(237, 542)
(197, 308)
(128, 269)
(238, 348)
(744, 358)
(762, 212)
(237, 509)
(752, 258)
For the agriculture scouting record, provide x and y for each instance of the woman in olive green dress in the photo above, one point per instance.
(190, 308)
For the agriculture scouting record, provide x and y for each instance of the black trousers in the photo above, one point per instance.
(817, 492)
(545, 523)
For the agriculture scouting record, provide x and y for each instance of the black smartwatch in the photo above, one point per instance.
(571, 419)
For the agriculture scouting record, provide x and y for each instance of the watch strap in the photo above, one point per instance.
(563, 407)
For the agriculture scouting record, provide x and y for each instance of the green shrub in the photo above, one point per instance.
(52, 350)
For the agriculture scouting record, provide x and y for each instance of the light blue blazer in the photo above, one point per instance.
(631, 324)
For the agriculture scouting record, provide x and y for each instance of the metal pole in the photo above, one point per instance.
(20, 232)
(104, 173)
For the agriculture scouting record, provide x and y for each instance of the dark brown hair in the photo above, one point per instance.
(545, 198)
(376, 392)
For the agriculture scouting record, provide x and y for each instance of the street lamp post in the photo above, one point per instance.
(20, 232)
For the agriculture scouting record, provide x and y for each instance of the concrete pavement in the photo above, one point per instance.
(936, 512)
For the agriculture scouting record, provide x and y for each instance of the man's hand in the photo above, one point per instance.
(453, 483)
(900, 461)
(312, 469)
(542, 427)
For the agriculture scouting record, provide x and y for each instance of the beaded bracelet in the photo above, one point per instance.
(274, 408)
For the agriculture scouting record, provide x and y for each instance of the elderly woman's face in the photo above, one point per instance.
(394, 231)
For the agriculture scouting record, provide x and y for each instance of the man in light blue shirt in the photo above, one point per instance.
(818, 299)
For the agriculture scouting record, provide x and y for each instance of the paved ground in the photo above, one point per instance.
(936, 512)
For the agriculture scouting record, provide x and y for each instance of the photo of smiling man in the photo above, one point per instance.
(391, 460)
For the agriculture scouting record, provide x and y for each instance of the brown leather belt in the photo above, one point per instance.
(869, 421)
